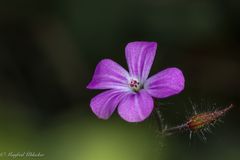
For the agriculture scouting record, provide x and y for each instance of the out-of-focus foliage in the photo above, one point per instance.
(49, 50)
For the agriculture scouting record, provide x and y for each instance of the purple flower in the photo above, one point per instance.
(133, 91)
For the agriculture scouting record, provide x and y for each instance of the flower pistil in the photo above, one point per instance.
(135, 85)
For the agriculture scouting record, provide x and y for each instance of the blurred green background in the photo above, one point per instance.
(48, 53)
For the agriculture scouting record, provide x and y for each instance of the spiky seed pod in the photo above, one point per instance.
(199, 121)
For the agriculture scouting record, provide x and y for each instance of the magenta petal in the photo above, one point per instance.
(136, 107)
(165, 83)
(105, 103)
(109, 75)
(140, 56)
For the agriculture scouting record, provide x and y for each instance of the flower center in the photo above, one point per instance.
(135, 85)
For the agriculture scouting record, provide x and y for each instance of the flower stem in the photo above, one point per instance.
(172, 130)
(159, 119)
(162, 128)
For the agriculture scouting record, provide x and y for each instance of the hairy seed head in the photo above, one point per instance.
(202, 120)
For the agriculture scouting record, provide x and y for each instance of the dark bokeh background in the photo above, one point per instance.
(49, 50)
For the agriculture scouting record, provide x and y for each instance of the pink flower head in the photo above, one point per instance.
(133, 91)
